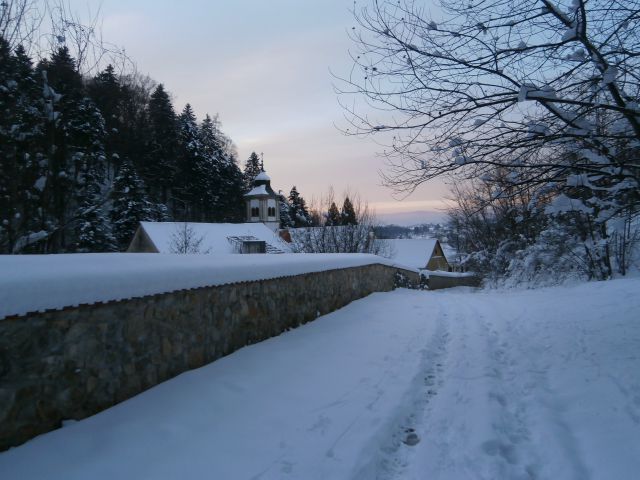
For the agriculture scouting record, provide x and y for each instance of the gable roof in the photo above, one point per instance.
(216, 237)
(413, 252)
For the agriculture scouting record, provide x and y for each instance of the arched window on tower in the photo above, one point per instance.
(271, 209)
(255, 209)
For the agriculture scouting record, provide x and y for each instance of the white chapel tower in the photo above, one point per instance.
(263, 204)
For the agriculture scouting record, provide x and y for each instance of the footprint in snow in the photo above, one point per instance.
(411, 438)
(504, 450)
(286, 467)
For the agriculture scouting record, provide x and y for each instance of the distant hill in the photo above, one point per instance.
(423, 230)
(407, 219)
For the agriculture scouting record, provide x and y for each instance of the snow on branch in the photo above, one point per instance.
(550, 91)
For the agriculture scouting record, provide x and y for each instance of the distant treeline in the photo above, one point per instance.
(434, 230)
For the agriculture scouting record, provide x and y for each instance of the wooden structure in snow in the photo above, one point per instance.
(420, 253)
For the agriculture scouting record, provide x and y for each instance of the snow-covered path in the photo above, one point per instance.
(536, 384)
(540, 384)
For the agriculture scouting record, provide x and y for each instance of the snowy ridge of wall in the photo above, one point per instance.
(32, 283)
(74, 362)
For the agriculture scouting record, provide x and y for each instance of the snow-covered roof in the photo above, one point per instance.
(258, 190)
(216, 238)
(39, 282)
(414, 252)
(263, 176)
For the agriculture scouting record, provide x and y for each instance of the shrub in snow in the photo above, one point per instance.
(185, 240)
(400, 280)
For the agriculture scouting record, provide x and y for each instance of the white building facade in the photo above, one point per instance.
(262, 203)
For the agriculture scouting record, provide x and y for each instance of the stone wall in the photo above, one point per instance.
(436, 282)
(75, 362)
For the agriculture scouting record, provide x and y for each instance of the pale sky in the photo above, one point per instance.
(264, 67)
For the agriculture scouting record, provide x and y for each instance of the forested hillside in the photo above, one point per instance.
(84, 159)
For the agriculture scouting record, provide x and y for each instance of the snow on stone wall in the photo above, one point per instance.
(74, 362)
(31, 283)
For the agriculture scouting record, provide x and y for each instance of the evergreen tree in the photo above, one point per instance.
(191, 180)
(21, 134)
(213, 140)
(130, 205)
(252, 168)
(106, 92)
(160, 164)
(223, 180)
(86, 134)
(93, 229)
(62, 73)
(9, 203)
(134, 133)
(212, 166)
(348, 214)
(333, 216)
(298, 209)
(285, 213)
(66, 141)
(231, 194)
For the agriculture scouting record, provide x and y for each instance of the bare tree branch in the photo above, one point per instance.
(547, 88)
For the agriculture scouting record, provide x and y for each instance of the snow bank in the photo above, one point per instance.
(38, 282)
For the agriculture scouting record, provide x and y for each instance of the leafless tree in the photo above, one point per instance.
(624, 243)
(83, 37)
(359, 238)
(20, 21)
(185, 240)
(41, 26)
(546, 89)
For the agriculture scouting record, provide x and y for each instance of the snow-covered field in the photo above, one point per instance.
(457, 384)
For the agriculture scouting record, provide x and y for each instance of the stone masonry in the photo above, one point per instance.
(75, 362)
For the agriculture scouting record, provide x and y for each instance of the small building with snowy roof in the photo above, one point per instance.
(262, 203)
(216, 238)
(420, 253)
(257, 235)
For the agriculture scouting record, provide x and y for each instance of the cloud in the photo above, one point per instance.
(264, 67)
